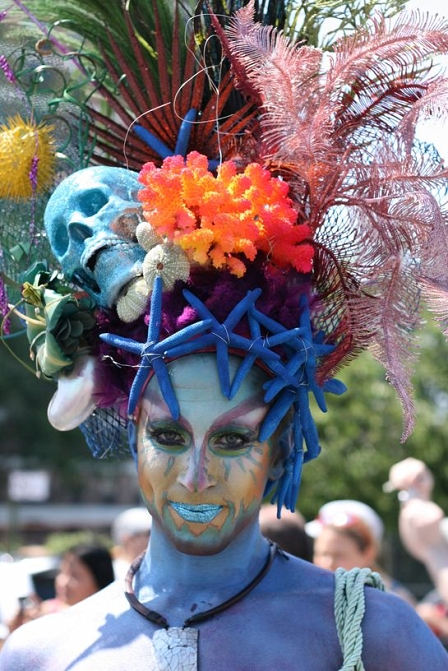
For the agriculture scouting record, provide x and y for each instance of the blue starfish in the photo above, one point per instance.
(183, 138)
(153, 352)
(293, 381)
(292, 384)
(222, 337)
(281, 336)
(249, 359)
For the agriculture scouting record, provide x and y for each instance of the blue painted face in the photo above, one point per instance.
(90, 221)
(203, 476)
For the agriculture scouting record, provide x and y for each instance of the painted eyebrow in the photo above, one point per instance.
(228, 417)
(154, 398)
(237, 412)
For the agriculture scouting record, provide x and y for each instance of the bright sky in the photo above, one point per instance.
(433, 6)
(433, 131)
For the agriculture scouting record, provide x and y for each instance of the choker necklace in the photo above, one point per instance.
(177, 647)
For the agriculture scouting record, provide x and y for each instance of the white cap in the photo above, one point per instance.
(443, 526)
(130, 523)
(343, 513)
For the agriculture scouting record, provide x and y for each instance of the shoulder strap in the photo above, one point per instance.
(349, 608)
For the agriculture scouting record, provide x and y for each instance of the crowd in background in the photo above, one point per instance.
(349, 534)
(81, 570)
(345, 533)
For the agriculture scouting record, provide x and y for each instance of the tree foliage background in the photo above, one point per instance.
(361, 433)
(27, 439)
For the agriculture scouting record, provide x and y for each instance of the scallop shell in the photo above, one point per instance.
(133, 303)
(73, 403)
(146, 236)
(168, 262)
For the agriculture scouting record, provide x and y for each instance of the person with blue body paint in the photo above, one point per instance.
(211, 592)
(206, 299)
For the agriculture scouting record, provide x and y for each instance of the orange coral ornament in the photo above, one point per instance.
(227, 218)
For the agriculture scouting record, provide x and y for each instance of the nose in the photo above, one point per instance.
(79, 231)
(196, 474)
(62, 580)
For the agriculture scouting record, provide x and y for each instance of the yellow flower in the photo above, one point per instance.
(27, 158)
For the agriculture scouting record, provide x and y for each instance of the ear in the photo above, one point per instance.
(281, 445)
(371, 553)
(277, 467)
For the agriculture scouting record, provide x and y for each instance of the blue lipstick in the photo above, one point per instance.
(202, 513)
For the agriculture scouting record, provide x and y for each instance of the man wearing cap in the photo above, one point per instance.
(131, 530)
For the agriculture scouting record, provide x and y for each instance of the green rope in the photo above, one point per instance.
(349, 609)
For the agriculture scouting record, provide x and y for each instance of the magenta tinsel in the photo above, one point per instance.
(33, 172)
(4, 308)
(4, 65)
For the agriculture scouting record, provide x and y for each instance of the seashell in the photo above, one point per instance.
(146, 236)
(168, 262)
(73, 403)
(133, 302)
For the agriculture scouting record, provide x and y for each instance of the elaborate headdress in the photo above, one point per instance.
(284, 211)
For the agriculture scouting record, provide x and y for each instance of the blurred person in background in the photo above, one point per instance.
(83, 571)
(4, 632)
(423, 530)
(130, 531)
(288, 531)
(349, 534)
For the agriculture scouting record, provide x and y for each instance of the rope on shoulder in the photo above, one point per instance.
(349, 609)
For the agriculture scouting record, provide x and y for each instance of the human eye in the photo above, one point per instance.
(166, 436)
(232, 442)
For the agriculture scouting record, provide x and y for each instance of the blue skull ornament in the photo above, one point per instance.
(90, 220)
